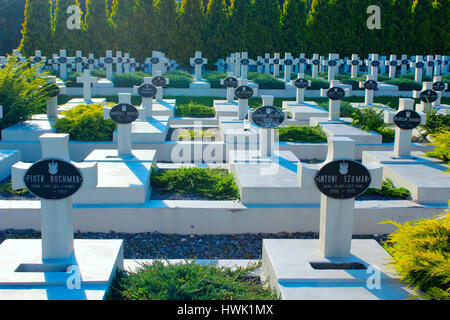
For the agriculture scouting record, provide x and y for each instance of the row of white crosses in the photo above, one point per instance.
(197, 62)
(159, 63)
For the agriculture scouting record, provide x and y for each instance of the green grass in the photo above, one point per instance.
(194, 110)
(302, 134)
(389, 191)
(214, 184)
(189, 281)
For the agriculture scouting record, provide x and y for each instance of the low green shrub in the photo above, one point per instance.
(23, 92)
(317, 83)
(191, 135)
(129, 80)
(372, 119)
(405, 84)
(388, 190)
(179, 79)
(387, 133)
(346, 108)
(300, 134)
(420, 253)
(193, 110)
(441, 143)
(435, 123)
(189, 281)
(209, 183)
(266, 81)
(412, 76)
(86, 123)
(6, 189)
(214, 77)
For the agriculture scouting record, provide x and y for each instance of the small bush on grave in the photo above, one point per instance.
(23, 92)
(371, 119)
(179, 79)
(441, 143)
(189, 281)
(86, 123)
(317, 84)
(214, 77)
(98, 73)
(266, 81)
(217, 184)
(346, 108)
(191, 135)
(71, 81)
(420, 253)
(300, 134)
(436, 122)
(193, 110)
(412, 76)
(6, 189)
(389, 191)
(129, 80)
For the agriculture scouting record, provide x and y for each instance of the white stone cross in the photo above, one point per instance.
(195, 62)
(52, 102)
(63, 61)
(404, 64)
(124, 143)
(259, 64)
(38, 61)
(334, 111)
(231, 63)
(133, 65)
(333, 65)
(424, 106)
(336, 215)
(79, 60)
(354, 62)
(402, 145)
(159, 89)
(237, 64)
(373, 63)
(267, 63)
(301, 91)
(315, 63)
(243, 103)
(369, 93)
(245, 62)
(322, 64)
(439, 92)
(438, 67)
(126, 63)
(276, 64)
(230, 90)
(383, 64)
(288, 62)
(91, 61)
(56, 215)
(301, 61)
(430, 65)
(147, 102)
(108, 63)
(393, 63)
(118, 60)
(87, 82)
(418, 65)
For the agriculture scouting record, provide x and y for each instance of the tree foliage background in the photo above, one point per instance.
(218, 27)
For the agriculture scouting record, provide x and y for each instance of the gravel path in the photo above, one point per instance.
(166, 246)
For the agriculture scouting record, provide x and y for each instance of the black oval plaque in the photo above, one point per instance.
(393, 63)
(430, 63)
(109, 60)
(420, 65)
(302, 61)
(405, 61)
(332, 63)
(343, 179)
(69, 66)
(288, 62)
(355, 62)
(375, 63)
(198, 61)
(276, 61)
(259, 63)
(301, 83)
(244, 92)
(52, 90)
(159, 81)
(119, 60)
(37, 59)
(407, 119)
(428, 96)
(91, 61)
(245, 62)
(124, 113)
(266, 60)
(336, 93)
(147, 91)
(2, 66)
(230, 82)
(316, 62)
(438, 86)
(78, 59)
(154, 60)
(268, 117)
(62, 60)
(101, 65)
(370, 85)
(133, 65)
(53, 179)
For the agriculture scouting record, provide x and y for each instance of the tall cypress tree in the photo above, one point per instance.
(294, 32)
(318, 24)
(266, 27)
(166, 36)
(11, 20)
(98, 29)
(191, 23)
(143, 29)
(37, 29)
(423, 26)
(441, 27)
(239, 36)
(122, 19)
(63, 37)
(215, 30)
